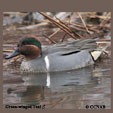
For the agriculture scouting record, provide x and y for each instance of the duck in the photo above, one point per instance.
(65, 56)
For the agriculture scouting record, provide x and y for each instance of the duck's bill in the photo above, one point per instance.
(15, 53)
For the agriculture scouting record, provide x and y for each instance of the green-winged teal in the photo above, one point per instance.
(59, 57)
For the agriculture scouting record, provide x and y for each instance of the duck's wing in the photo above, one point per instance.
(72, 46)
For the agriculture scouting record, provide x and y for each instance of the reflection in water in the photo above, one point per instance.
(65, 90)
(33, 95)
(56, 82)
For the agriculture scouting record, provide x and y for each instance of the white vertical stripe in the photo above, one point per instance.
(48, 80)
(47, 62)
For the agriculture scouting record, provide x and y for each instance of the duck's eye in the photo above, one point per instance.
(18, 45)
(24, 43)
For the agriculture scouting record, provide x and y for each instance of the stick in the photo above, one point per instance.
(54, 33)
(69, 28)
(58, 24)
(63, 37)
(50, 39)
(83, 22)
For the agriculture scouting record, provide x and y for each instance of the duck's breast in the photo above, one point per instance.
(35, 65)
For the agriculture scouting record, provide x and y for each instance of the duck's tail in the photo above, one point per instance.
(97, 53)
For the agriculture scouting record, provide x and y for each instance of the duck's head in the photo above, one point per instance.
(28, 46)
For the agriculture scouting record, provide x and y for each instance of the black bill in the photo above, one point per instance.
(15, 53)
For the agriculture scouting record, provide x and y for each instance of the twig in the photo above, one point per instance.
(62, 22)
(70, 30)
(49, 39)
(58, 24)
(83, 22)
(33, 26)
(80, 26)
(70, 17)
(101, 17)
(8, 50)
(54, 33)
(104, 20)
(63, 37)
(106, 53)
(59, 101)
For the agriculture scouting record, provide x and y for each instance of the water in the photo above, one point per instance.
(64, 90)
